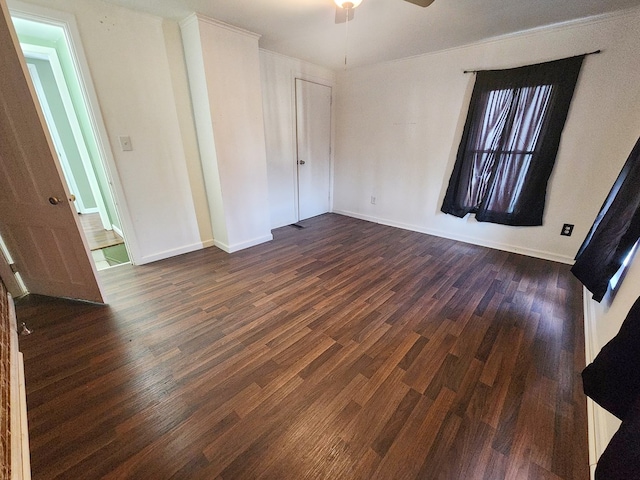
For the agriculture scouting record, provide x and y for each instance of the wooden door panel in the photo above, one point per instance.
(44, 240)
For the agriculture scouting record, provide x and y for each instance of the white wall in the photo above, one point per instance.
(224, 74)
(278, 99)
(399, 125)
(140, 82)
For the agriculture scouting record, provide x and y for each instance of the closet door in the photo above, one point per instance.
(313, 131)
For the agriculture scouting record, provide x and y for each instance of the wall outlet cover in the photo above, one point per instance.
(567, 230)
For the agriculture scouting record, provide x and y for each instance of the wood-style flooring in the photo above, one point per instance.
(343, 350)
(97, 237)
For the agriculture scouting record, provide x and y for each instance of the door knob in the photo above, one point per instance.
(72, 198)
(301, 162)
(54, 200)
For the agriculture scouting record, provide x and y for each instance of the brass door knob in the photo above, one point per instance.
(54, 200)
(72, 198)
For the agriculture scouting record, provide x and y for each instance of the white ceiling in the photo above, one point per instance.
(382, 30)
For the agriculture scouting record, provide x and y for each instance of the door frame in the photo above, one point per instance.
(55, 136)
(11, 280)
(50, 55)
(325, 82)
(68, 23)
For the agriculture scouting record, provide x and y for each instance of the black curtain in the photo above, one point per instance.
(510, 142)
(614, 232)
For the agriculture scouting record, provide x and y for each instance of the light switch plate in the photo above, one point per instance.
(125, 143)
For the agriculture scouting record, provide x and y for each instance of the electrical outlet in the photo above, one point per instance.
(373, 200)
(567, 230)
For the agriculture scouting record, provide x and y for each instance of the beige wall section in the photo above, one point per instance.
(180, 82)
(199, 95)
(399, 125)
(224, 74)
(137, 71)
(278, 101)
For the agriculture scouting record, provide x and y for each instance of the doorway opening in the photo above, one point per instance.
(48, 54)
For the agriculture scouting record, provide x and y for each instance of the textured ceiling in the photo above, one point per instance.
(382, 30)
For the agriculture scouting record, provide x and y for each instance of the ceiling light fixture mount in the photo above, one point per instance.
(347, 4)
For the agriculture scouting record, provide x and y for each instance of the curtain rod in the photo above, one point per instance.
(595, 52)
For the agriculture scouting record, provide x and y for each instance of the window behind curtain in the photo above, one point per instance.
(510, 142)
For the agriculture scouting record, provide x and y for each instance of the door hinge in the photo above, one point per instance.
(13, 267)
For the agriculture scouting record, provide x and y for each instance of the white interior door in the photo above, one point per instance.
(313, 132)
(37, 223)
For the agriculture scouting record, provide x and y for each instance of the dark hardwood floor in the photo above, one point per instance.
(344, 350)
(97, 237)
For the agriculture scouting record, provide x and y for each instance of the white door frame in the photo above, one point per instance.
(50, 55)
(11, 280)
(67, 22)
(55, 136)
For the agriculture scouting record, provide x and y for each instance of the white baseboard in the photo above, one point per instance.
(530, 252)
(169, 253)
(117, 230)
(359, 216)
(222, 246)
(236, 247)
(200, 245)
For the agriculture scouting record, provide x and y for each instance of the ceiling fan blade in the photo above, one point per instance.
(341, 14)
(421, 3)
